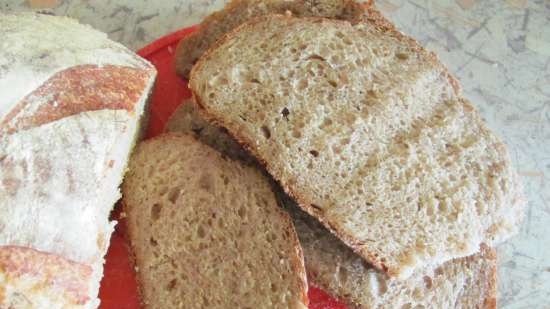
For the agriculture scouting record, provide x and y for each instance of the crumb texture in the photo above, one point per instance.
(368, 131)
(462, 283)
(207, 232)
(237, 12)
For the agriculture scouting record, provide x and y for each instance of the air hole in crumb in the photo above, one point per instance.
(172, 284)
(333, 83)
(197, 131)
(314, 153)
(255, 81)
(315, 57)
(211, 95)
(266, 132)
(428, 282)
(155, 212)
(201, 232)
(153, 242)
(317, 207)
(174, 195)
(241, 212)
(402, 56)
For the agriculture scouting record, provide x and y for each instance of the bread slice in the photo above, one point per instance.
(237, 12)
(71, 107)
(207, 231)
(463, 283)
(368, 132)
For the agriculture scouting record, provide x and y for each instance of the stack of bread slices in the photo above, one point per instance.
(322, 141)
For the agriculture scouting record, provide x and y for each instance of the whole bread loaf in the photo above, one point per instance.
(237, 12)
(71, 102)
(207, 232)
(368, 132)
(462, 283)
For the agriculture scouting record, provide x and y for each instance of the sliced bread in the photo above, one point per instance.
(237, 12)
(368, 132)
(463, 283)
(207, 231)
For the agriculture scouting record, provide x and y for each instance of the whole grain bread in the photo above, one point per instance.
(207, 231)
(368, 132)
(463, 283)
(237, 12)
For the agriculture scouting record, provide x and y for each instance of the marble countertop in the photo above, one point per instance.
(498, 49)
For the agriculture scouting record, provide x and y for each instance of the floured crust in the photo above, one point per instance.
(34, 279)
(71, 103)
(75, 90)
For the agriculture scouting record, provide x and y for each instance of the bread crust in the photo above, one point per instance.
(23, 270)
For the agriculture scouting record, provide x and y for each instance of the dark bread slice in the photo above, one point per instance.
(237, 12)
(368, 132)
(207, 232)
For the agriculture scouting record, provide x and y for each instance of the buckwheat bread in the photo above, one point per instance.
(368, 132)
(463, 283)
(71, 107)
(207, 231)
(237, 12)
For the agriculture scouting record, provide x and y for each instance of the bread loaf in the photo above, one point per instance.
(237, 12)
(463, 283)
(71, 102)
(368, 132)
(207, 231)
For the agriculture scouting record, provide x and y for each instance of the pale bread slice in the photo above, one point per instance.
(368, 132)
(237, 12)
(463, 283)
(207, 231)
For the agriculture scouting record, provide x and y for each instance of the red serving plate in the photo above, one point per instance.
(119, 288)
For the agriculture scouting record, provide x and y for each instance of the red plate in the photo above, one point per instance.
(118, 288)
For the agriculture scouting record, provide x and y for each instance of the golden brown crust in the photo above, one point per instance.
(47, 273)
(75, 90)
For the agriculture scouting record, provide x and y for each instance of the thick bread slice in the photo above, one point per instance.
(71, 103)
(237, 12)
(367, 131)
(463, 283)
(207, 231)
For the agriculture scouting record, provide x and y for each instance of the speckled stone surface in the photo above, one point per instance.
(499, 50)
